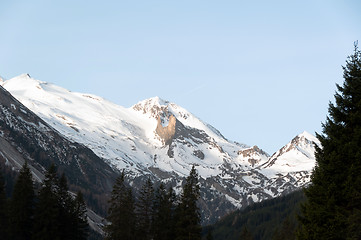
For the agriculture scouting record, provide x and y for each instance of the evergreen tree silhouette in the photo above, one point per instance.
(80, 214)
(121, 215)
(3, 208)
(57, 215)
(21, 212)
(144, 211)
(333, 207)
(46, 225)
(188, 219)
(163, 224)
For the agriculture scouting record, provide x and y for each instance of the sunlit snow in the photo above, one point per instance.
(127, 138)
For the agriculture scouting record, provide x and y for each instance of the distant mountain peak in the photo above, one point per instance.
(302, 141)
(153, 106)
(154, 101)
(24, 81)
(308, 136)
(158, 101)
(23, 76)
(296, 156)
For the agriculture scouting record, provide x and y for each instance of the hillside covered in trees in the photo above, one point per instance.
(49, 213)
(271, 219)
(157, 213)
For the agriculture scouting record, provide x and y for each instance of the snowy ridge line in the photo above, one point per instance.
(110, 130)
(114, 132)
(158, 138)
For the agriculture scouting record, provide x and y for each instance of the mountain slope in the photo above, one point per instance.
(290, 167)
(163, 140)
(26, 137)
(104, 126)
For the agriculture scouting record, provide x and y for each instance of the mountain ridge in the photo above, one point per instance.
(163, 140)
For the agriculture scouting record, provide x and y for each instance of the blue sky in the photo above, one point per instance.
(259, 71)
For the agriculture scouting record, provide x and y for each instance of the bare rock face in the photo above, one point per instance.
(175, 133)
(254, 155)
(166, 133)
(199, 154)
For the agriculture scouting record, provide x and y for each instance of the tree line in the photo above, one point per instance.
(51, 213)
(273, 219)
(157, 213)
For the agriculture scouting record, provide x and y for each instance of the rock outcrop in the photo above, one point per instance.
(166, 133)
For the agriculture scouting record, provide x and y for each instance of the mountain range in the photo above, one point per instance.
(92, 140)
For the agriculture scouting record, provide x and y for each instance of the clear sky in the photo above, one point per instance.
(261, 72)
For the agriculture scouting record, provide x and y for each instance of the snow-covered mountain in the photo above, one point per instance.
(163, 140)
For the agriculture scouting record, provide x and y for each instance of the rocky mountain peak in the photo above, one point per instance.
(24, 76)
(301, 142)
(154, 107)
(298, 154)
(25, 81)
(249, 151)
(253, 155)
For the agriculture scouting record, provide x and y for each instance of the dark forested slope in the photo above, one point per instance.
(270, 219)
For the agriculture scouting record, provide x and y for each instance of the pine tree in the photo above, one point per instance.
(81, 224)
(121, 215)
(3, 209)
(59, 216)
(163, 223)
(188, 219)
(333, 206)
(72, 217)
(21, 213)
(46, 225)
(67, 217)
(170, 209)
(144, 211)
